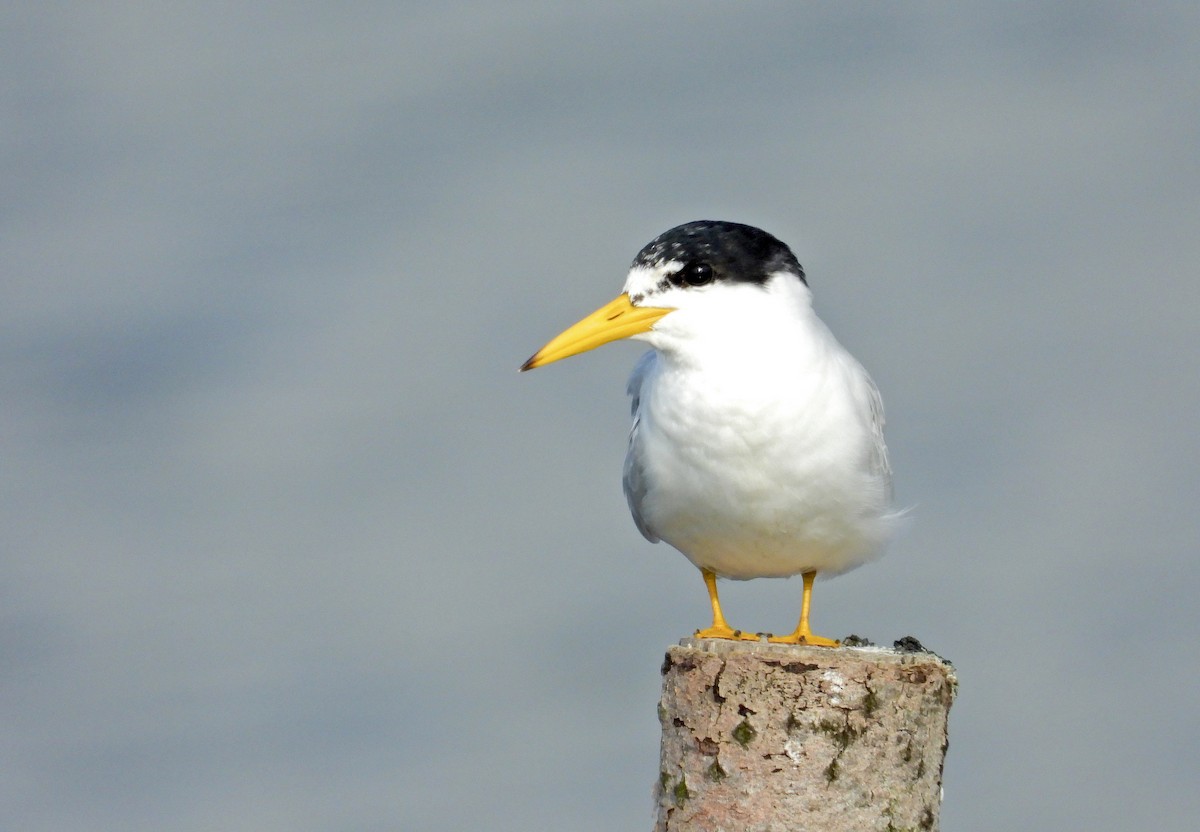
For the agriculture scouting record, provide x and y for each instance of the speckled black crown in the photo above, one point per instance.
(736, 252)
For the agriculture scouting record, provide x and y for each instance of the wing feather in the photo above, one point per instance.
(634, 479)
(879, 453)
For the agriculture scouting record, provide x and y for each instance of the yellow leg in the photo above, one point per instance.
(719, 628)
(803, 634)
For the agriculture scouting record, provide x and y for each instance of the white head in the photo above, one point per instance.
(701, 277)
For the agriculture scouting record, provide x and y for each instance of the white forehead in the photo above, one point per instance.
(644, 281)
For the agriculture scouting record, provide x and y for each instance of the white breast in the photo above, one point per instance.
(757, 450)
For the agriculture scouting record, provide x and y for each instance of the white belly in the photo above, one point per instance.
(766, 485)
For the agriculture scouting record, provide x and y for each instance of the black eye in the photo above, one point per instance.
(696, 274)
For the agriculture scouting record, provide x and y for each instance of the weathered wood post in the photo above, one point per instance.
(759, 737)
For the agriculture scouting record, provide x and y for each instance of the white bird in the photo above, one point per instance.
(757, 442)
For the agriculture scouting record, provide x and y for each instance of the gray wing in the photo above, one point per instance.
(879, 453)
(634, 480)
(868, 399)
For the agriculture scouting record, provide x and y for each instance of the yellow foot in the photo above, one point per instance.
(718, 631)
(805, 638)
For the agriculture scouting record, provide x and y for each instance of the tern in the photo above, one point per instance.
(757, 444)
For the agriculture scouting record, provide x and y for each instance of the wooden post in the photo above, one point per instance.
(759, 737)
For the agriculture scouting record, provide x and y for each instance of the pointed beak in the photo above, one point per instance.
(615, 320)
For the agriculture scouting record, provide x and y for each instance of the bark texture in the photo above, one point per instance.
(768, 738)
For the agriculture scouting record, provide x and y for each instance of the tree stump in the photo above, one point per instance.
(759, 737)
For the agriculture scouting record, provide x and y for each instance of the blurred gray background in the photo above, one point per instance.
(288, 544)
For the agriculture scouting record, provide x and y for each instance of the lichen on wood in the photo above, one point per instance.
(760, 737)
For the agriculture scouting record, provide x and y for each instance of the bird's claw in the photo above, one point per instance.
(728, 633)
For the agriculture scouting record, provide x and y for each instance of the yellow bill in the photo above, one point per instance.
(615, 320)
